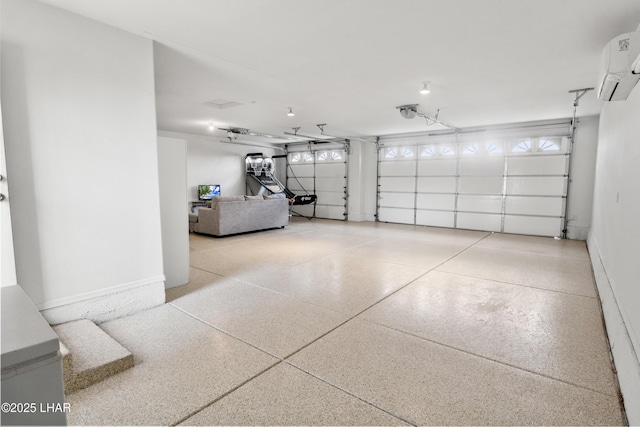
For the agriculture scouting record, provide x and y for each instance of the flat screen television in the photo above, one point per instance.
(207, 192)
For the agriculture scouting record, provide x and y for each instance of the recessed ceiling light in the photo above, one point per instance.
(211, 127)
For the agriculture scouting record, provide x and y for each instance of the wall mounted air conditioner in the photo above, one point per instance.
(620, 68)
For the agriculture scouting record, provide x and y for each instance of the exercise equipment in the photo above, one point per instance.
(261, 169)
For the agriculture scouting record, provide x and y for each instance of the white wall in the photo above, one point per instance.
(614, 240)
(583, 160)
(80, 138)
(210, 161)
(172, 169)
(7, 258)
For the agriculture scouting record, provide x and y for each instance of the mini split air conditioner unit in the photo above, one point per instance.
(620, 68)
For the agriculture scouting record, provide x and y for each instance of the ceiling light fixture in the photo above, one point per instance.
(211, 127)
(425, 88)
(290, 113)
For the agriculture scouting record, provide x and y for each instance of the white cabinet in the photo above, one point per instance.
(32, 385)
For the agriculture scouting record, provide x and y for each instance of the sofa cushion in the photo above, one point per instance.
(193, 217)
(253, 198)
(228, 198)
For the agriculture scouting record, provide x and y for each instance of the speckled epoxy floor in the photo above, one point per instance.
(334, 323)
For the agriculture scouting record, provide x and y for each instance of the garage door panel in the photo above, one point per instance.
(477, 186)
(330, 198)
(398, 168)
(536, 186)
(537, 226)
(480, 185)
(298, 185)
(397, 184)
(326, 177)
(301, 169)
(398, 200)
(553, 206)
(435, 218)
(537, 165)
(437, 167)
(331, 212)
(472, 203)
(304, 210)
(330, 170)
(485, 222)
(483, 166)
(330, 184)
(402, 216)
(437, 185)
(436, 201)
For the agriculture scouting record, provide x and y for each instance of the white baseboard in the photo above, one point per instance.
(106, 304)
(577, 232)
(625, 356)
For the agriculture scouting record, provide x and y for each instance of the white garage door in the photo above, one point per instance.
(504, 182)
(323, 173)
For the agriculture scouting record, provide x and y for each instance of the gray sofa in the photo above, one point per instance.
(240, 214)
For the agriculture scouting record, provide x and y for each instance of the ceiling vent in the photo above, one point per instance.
(222, 104)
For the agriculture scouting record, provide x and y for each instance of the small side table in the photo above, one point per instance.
(197, 204)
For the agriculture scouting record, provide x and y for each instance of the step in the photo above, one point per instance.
(89, 355)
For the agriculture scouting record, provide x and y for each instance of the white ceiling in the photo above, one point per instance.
(349, 63)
